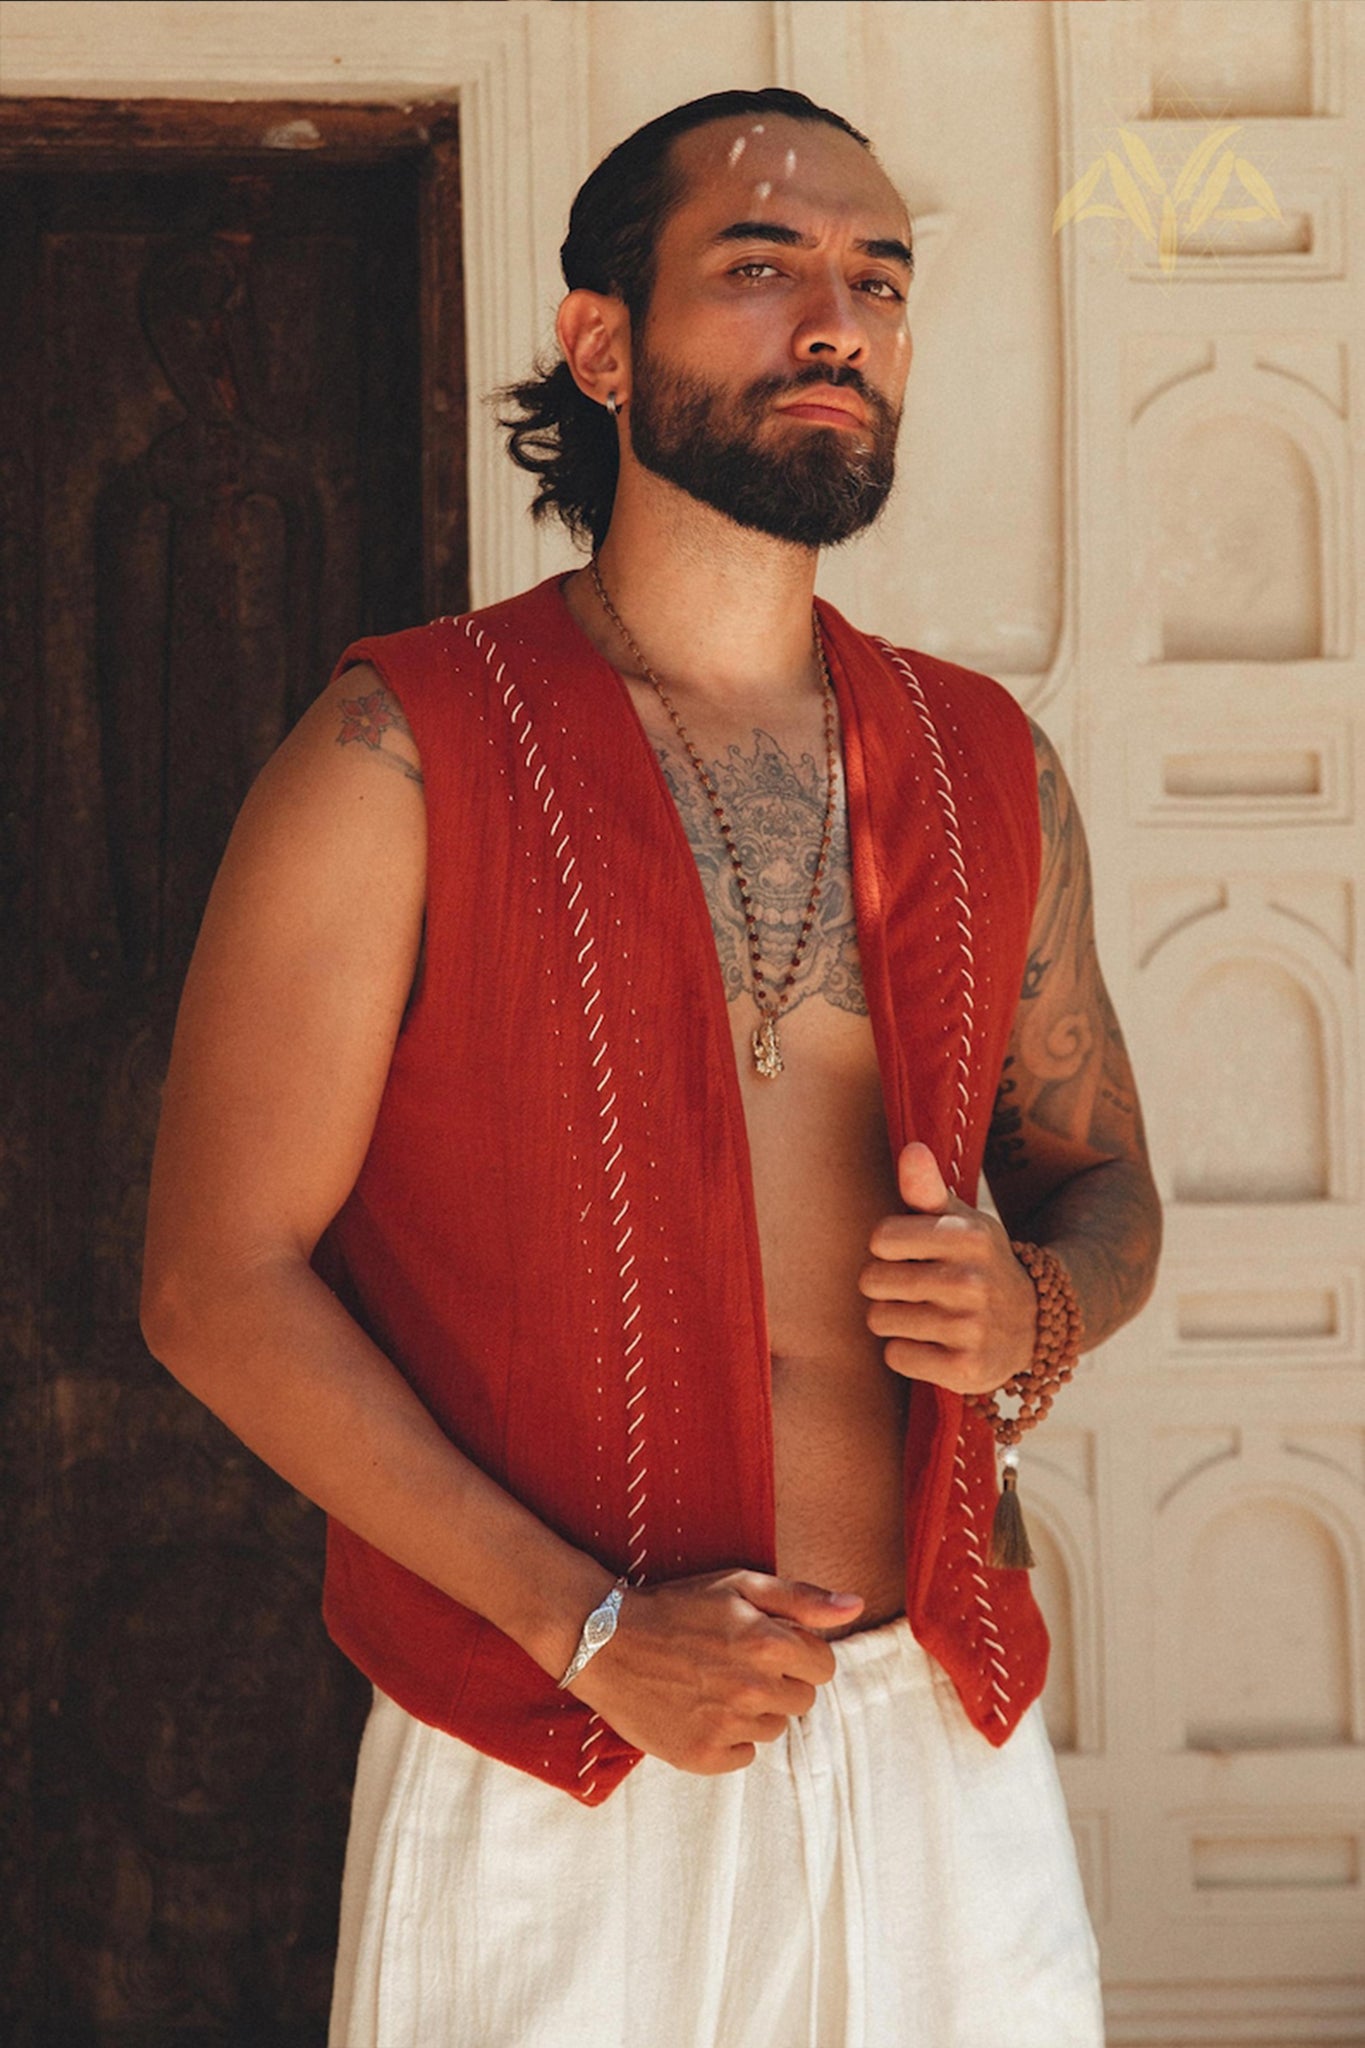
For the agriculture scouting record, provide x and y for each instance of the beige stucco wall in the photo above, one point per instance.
(1135, 494)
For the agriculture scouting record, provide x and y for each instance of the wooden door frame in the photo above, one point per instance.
(52, 134)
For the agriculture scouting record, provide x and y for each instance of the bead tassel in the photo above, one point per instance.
(1009, 1538)
(1056, 1347)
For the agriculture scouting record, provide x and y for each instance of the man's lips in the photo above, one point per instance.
(826, 410)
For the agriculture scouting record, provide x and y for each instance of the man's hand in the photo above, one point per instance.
(946, 1291)
(700, 1670)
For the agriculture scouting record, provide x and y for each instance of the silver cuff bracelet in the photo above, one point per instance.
(598, 1630)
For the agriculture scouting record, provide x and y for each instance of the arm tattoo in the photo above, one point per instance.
(364, 722)
(1066, 1154)
(1004, 1144)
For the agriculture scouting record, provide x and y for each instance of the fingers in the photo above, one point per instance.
(731, 1755)
(950, 1238)
(921, 1329)
(794, 1697)
(700, 1670)
(929, 1322)
(737, 1756)
(959, 1288)
(942, 1289)
(941, 1310)
(936, 1363)
(939, 1329)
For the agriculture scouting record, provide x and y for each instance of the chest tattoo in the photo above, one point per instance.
(776, 809)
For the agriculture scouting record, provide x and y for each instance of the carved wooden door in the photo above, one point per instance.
(210, 468)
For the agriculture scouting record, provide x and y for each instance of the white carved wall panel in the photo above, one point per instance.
(1217, 741)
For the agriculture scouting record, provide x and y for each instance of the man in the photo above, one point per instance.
(567, 1173)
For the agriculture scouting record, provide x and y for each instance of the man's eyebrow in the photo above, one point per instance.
(889, 249)
(886, 247)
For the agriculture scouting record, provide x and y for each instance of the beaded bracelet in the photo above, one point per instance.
(1056, 1347)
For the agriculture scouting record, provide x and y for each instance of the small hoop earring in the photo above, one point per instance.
(613, 405)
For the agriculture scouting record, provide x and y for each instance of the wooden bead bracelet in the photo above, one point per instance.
(1056, 1347)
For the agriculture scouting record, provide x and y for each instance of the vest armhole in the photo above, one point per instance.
(407, 664)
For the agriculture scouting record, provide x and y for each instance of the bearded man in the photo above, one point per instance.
(568, 1174)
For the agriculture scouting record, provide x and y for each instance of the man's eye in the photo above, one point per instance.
(751, 269)
(881, 288)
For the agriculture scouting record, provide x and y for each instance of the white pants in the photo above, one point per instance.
(881, 1877)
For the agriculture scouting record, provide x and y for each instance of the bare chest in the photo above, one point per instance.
(818, 1144)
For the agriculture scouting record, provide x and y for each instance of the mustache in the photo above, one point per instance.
(835, 374)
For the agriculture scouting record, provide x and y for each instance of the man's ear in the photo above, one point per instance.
(594, 332)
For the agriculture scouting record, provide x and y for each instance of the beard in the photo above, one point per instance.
(817, 489)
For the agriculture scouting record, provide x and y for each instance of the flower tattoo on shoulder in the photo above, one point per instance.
(364, 722)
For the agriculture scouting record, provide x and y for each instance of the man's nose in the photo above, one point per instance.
(832, 327)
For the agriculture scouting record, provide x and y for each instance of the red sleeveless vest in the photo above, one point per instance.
(563, 1101)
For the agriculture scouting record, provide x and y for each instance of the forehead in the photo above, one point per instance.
(773, 168)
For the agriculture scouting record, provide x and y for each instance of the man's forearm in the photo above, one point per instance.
(1105, 1226)
(276, 1357)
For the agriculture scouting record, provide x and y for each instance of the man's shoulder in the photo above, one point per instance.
(946, 685)
(516, 613)
(537, 609)
(413, 654)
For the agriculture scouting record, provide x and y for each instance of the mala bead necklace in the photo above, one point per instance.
(767, 1051)
(1057, 1329)
(1056, 1347)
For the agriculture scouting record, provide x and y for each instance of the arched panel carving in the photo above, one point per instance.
(1260, 1567)
(1244, 493)
(1259, 1102)
(1237, 545)
(1251, 1088)
(1264, 1634)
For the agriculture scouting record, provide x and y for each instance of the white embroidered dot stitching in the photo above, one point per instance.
(618, 1197)
(589, 1763)
(961, 897)
(995, 1648)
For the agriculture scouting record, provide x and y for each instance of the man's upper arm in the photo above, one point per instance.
(1067, 1099)
(296, 992)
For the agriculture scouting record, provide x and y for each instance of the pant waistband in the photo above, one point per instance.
(887, 1655)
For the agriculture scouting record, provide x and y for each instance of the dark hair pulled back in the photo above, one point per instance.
(563, 438)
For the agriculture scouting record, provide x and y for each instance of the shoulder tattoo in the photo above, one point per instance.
(366, 720)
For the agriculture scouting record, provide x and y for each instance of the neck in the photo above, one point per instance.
(717, 611)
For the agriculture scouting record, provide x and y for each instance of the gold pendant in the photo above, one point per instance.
(767, 1052)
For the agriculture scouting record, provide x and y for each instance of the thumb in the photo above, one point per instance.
(794, 1600)
(922, 1186)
